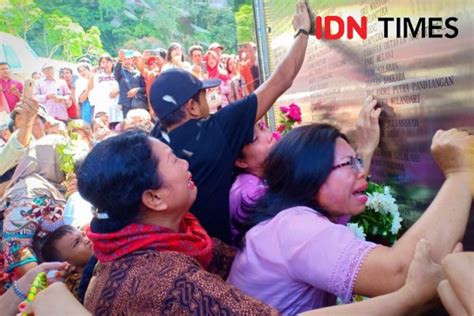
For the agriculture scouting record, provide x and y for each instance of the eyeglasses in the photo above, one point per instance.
(356, 163)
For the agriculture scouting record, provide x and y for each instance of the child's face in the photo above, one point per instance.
(75, 248)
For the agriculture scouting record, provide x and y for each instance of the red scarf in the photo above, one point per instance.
(212, 72)
(192, 240)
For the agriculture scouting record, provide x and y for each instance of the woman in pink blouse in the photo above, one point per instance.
(295, 258)
(248, 186)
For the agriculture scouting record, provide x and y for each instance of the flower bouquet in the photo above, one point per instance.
(289, 116)
(380, 222)
(69, 152)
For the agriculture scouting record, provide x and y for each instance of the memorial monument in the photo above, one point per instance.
(417, 59)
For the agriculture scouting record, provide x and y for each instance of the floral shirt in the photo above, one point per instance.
(26, 223)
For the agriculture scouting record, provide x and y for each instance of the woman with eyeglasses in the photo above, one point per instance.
(294, 256)
(249, 186)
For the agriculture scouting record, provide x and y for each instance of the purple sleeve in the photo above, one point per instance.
(323, 254)
(246, 190)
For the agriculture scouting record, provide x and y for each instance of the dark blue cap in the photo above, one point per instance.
(173, 88)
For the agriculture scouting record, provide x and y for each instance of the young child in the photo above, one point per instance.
(69, 244)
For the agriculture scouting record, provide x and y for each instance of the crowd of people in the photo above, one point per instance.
(180, 201)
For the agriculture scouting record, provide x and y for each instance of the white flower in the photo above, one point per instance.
(382, 202)
(357, 230)
(396, 223)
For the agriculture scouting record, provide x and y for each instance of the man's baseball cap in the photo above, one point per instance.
(84, 59)
(47, 65)
(215, 45)
(41, 113)
(173, 88)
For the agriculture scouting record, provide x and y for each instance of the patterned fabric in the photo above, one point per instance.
(32, 206)
(165, 283)
(347, 268)
(24, 221)
(222, 257)
(72, 281)
(192, 240)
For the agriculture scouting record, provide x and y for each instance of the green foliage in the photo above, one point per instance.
(68, 29)
(52, 34)
(66, 157)
(245, 24)
(134, 24)
(239, 3)
(19, 17)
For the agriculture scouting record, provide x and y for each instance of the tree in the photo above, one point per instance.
(64, 39)
(66, 29)
(19, 17)
(245, 24)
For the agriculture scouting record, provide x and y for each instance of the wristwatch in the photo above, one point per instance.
(300, 30)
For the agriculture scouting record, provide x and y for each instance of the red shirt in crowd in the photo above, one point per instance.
(8, 93)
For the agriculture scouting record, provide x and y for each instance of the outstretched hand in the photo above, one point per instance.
(424, 274)
(301, 19)
(453, 152)
(27, 110)
(368, 128)
(456, 292)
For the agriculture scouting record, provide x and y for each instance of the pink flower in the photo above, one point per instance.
(294, 113)
(276, 136)
(284, 109)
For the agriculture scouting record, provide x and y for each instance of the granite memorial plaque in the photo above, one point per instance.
(423, 81)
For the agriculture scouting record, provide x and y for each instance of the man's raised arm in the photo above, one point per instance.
(286, 71)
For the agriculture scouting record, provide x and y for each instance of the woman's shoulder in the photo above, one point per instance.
(145, 272)
(295, 223)
(168, 282)
(145, 264)
(300, 216)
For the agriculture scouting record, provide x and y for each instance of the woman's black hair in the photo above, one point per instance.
(171, 48)
(107, 57)
(83, 65)
(114, 176)
(294, 171)
(66, 68)
(162, 53)
(49, 251)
